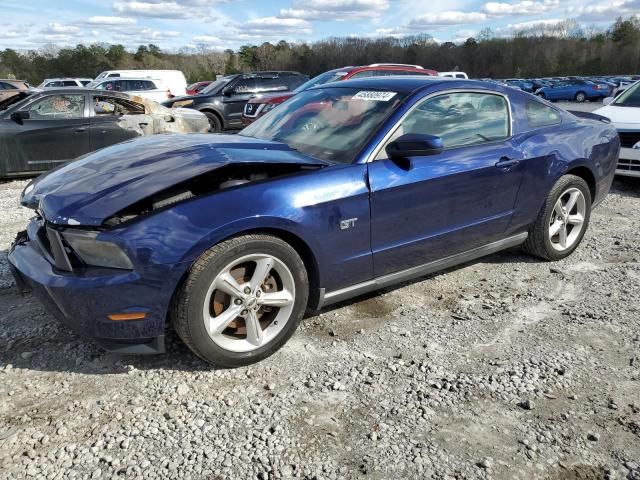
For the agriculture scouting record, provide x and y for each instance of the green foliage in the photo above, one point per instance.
(561, 49)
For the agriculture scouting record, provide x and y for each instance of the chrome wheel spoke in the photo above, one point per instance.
(576, 219)
(216, 325)
(554, 229)
(255, 334)
(263, 267)
(227, 284)
(563, 236)
(571, 202)
(282, 298)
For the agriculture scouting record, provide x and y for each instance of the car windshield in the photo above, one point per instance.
(331, 124)
(321, 79)
(630, 97)
(215, 86)
(11, 101)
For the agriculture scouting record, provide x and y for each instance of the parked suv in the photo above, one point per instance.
(141, 87)
(223, 101)
(64, 82)
(260, 104)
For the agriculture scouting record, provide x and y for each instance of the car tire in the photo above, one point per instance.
(556, 214)
(214, 122)
(235, 330)
(580, 97)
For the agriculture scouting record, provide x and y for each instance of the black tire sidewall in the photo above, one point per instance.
(204, 345)
(561, 186)
(214, 121)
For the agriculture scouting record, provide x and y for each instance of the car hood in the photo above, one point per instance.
(91, 189)
(271, 97)
(622, 117)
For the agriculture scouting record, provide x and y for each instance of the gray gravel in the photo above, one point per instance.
(505, 368)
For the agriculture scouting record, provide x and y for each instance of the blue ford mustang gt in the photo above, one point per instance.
(342, 190)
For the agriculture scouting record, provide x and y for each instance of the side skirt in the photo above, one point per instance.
(419, 271)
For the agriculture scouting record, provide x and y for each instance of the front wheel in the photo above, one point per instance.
(562, 221)
(580, 97)
(242, 300)
(215, 125)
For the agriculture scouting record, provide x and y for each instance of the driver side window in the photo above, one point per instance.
(460, 119)
(54, 107)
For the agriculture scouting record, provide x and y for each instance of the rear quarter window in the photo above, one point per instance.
(541, 115)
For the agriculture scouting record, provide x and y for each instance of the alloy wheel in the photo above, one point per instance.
(567, 219)
(249, 302)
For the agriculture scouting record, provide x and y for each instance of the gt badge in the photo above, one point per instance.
(350, 222)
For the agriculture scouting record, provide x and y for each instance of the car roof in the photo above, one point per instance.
(410, 83)
(79, 90)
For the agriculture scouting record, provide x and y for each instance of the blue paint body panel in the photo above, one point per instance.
(407, 214)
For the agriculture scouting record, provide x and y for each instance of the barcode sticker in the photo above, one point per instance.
(374, 96)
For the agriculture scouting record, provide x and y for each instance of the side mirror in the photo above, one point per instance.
(414, 145)
(227, 92)
(169, 118)
(20, 115)
(607, 101)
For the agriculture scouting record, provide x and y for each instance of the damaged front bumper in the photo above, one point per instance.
(83, 299)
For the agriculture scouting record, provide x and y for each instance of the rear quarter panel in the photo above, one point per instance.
(552, 151)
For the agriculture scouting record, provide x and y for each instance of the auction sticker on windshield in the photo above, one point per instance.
(374, 96)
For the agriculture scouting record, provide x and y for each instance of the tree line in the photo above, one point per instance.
(561, 49)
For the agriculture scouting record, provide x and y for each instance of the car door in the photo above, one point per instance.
(114, 120)
(433, 206)
(235, 98)
(55, 132)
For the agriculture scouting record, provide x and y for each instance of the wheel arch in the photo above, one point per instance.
(301, 246)
(587, 175)
(215, 112)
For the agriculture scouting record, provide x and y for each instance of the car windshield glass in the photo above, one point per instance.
(321, 79)
(331, 124)
(9, 102)
(92, 84)
(630, 97)
(215, 86)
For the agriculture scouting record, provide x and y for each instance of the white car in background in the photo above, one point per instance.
(64, 82)
(173, 79)
(624, 113)
(140, 87)
(461, 75)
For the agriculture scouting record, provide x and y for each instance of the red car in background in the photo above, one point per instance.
(261, 104)
(196, 88)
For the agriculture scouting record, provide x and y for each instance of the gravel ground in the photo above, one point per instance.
(504, 368)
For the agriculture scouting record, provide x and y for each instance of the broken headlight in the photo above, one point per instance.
(267, 107)
(182, 103)
(96, 252)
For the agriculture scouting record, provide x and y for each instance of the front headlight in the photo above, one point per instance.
(182, 103)
(267, 107)
(96, 252)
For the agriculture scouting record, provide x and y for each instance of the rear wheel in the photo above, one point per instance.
(562, 221)
(580, 97)
(242, 300)
(215, 125)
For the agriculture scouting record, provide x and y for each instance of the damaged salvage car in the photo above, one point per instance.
(345, 189)
(40, 130)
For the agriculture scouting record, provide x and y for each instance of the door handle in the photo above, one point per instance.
(506, 163)
(143, 124)
(80, 130)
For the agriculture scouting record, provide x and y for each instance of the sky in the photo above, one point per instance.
(221, 24)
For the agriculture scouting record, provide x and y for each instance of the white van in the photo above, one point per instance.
(453, 75)
(173, 79)
(141, 87)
